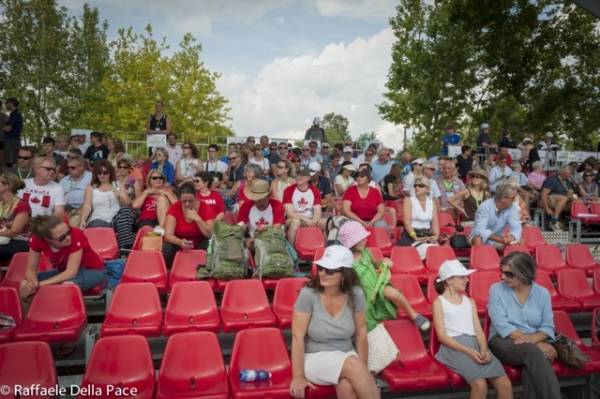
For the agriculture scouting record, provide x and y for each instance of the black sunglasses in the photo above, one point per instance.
(508, 275)
(72, 167)
(24, 158)
(103, 172)
(157, 178)
(62, 237)
(362, 174)
(328, 271)
(420, 185)
(48, 169)
(197, 181)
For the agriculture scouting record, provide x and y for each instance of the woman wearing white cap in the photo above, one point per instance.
(329, 315)
(344, 179)
(463, 346)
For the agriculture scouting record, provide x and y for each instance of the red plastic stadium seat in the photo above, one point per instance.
(104, 241)
(563, 325)
(447, 223)
(10, 304)
(377, 254)
(479, 288)
(123, 362)
(57, 314)
(559, 302)
(409, 286)
(146, 267)
(595, 332)
(185, 265)
(192, 367)
(594, 209)
(308, 241)
(191, 307)
(245, 305)
(579, 256)
(579, 208)
(286, 293)
(532, 237)
(549, 258)
(141, 233)
(431, 292)
(572, 283)
(513, 373)
(321, 392)
(17, 267)
(415, 369)
(596, 281)
(249, 352)
(434, 345)
(484, 257)
(515, 248)
(134, 309)
(318, 255)
(379, 238)
(26, 364)
(407, 261)
(436, 255)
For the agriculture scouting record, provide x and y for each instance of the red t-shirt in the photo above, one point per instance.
(254, 217)
(148, 211)
(189, 231)
(303, 202)
(89, 258)
(364, 208)
(8, 220)
(213, 200)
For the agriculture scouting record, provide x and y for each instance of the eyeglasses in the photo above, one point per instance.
(509, 275)
(420, 186)
(49, 169)
(476, 177)
(197, 181)
(23, 158)
(232, 158)
(328, 271)
(103, 172)
(368, 154)
(362, 174)
(71, 167)
(157, 178)
(61, 238)
(123, 167)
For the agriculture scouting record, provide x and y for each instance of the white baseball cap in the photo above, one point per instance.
(451, 268)
(348, 149)
(549, 134)
(314, 167)
(336, 256)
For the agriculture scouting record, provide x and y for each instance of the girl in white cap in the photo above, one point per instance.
(463, 346)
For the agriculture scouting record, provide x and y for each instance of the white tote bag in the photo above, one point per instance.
(382, 349)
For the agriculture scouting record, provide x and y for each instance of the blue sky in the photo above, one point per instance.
(282, 61)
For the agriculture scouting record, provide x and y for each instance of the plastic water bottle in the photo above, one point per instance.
(250, 375)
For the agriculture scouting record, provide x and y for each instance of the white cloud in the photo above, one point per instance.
(356, 9)
(285, 95)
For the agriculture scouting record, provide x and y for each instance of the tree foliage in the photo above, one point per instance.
(67, 75)
(527, 66)
(336, 127)
(364, 139)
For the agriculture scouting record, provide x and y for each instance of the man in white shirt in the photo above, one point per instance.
(175, 151)
(75, 182)
(214, 164)
(302, 204)
(42, 193)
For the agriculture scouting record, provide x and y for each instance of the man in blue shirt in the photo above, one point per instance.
(382, 165)
(557, 194)
(451, 137)
(493, 215)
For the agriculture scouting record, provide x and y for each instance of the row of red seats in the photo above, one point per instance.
(192, 364)
(586, 214)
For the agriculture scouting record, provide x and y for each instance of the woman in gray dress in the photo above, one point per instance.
(329, 315)
(463, 347)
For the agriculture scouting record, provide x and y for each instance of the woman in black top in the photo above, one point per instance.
(391, 187)
(158, 123)
(467, 201)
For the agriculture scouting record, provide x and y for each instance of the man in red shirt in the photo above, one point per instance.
(262, 210)
(302, 204)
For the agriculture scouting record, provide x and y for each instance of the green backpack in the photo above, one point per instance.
(225, 254)
(271, 253)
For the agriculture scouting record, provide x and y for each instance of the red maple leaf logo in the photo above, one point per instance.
(262, 221)
(303, 202)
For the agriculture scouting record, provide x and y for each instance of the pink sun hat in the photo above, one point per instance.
(351, 233)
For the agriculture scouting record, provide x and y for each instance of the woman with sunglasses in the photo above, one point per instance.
(589, 186)
(259, 159)
(420, 217)
(467, 201)
(364, 203)
(344, 179)
(107, 204)
(522, 326)
(329, 333)
(73, 259)
(14, 218)
(188, 224)
(284, 178)
(154, 201)
(162, 164)
(126, 179)
(189, 164)
(203, 182)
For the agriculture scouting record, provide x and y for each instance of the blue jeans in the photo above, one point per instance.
(86, 279)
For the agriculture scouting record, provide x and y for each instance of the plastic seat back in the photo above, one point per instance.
(17, 266)
(379, 238)
(308, 240)
(10, 304)
(596, 280)
(543, 278)
(579, 256)
(104, 241)
(26, 364)
(479, 287)
(57, 314)
(249, 352)
(245, 305)
(515, 248)
(578, 208)
(447, 223)
(406, 260)
(409, 286)
(141, 233)
(549, 257)
(484, 257)
(146, 267)
(284, 298)
(185, 265)
(192, 367)
(408, 340)
(572, 283)
(123, 362)
(532, 237)
(135, 309)
(431, 292)
(564, 325)
(436, 255)
(318, 255)
(191, 307)
(376, 253)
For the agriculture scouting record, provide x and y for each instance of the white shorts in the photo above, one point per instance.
(324, 368)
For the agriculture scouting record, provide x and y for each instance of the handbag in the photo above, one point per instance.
(382, 349)
(569, 353)
(459, 241)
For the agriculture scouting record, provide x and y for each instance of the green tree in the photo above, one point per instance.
(527, 66)
(336, 127)
(365, 138)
